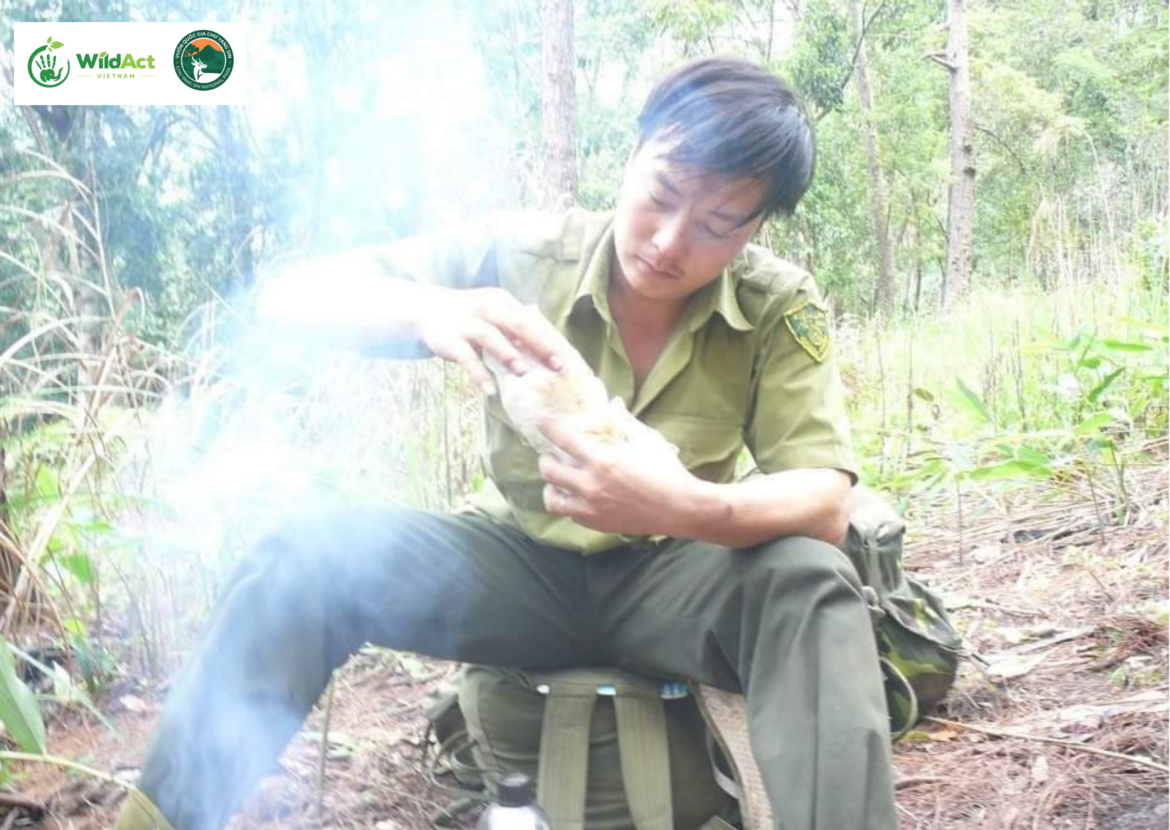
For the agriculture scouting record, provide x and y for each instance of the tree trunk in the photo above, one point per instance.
(961, 204)
(235, 153)
(879, 190)
(9, 560)
(558, 93)
(915, 254)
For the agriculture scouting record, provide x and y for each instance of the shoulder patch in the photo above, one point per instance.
(809, 324)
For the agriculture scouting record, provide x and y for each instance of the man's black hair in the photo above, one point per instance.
(732, 118)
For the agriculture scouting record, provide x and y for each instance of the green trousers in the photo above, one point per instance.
(784, 622)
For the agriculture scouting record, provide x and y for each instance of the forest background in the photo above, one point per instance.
(988, 224)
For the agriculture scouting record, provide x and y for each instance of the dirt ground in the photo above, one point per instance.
(1061, 721)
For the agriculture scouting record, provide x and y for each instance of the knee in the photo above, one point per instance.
(320, 552)
(274, 571)
(801, 565)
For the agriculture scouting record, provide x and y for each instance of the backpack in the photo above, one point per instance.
(631, 753)
(918, 646)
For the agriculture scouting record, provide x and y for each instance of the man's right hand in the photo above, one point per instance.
(462, 325)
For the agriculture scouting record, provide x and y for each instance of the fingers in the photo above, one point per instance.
(555, 500)
(528, 329)
(563, 503)
(573, 442)
(487, 338)
(490, 321)
(561, 475)
(462, 353)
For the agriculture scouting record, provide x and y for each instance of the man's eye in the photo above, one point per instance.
(656, 200)
(716, 234)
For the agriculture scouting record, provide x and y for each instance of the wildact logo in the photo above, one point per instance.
(127, 63)
(43, 68)
(203, 60)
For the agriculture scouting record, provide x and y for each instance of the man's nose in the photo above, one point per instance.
(671, 236)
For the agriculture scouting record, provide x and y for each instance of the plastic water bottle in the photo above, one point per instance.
(516, 808)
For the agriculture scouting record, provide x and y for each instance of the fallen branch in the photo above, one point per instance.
(27, 804)
(992, 605)
(132, 792)
(1054, 639)
(1006, 733)
(905, 783)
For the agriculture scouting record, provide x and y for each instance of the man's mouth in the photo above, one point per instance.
(658, 272)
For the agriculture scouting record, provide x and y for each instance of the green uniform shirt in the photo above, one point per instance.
(749, 361)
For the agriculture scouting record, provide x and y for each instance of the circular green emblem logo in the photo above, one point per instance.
(203, 59)
(44, 68)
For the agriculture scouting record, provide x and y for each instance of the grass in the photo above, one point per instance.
(135, 476)
(1013, 385)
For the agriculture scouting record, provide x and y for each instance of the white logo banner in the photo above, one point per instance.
(131, 63)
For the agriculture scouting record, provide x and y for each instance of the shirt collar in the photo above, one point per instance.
(594, 278)
(718, 297)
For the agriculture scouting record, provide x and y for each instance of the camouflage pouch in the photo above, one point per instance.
(917, 643)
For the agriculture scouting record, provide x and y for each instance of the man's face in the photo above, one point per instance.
(677, 228)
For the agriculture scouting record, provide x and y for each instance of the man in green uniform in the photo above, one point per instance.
(662, 566)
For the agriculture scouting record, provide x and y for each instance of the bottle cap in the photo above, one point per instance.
(515, 790)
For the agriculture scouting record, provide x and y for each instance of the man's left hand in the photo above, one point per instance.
(638, 488)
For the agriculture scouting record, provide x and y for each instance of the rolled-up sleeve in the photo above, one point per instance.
(460, 257)
(796, 415)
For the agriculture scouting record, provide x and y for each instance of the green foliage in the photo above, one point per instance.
(830, 217)
(65, 691)
(1016, 387)
(612, 35)
(96, 664)
(821, 62)
(693, 22)
(1070, 112)
(19, 711)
